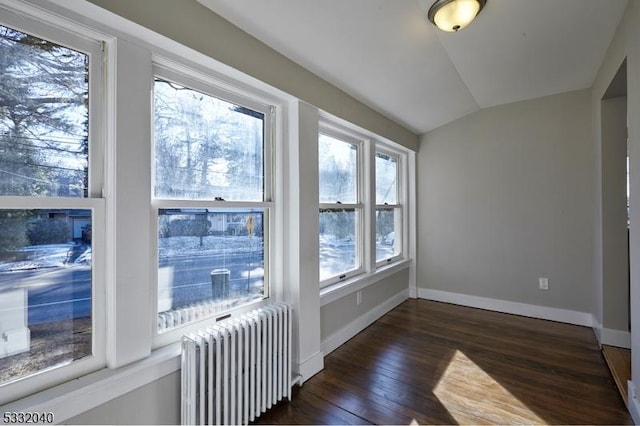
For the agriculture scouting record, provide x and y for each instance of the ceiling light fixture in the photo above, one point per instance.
(454, 15)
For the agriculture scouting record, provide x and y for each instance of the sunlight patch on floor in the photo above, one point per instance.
(473, 396)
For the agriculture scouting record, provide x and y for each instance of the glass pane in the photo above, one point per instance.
(206, 147)
(338, 170)
(44, 117)
(45, 290)
(388, 233)
(338, 242)
(208, 262)
(386, 179)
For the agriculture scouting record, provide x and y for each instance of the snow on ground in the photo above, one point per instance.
(69, 254)
(335, 254)
(49, 256)
(190, 246)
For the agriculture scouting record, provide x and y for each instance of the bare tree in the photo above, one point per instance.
(43, 117)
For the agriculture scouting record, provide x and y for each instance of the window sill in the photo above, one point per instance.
(341, 289)
(80, 395)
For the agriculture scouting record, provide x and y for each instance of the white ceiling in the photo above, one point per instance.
(389, 56)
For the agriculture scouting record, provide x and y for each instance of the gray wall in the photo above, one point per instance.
(336, 315)
(154, 404)
(615, 248)
(505, 196)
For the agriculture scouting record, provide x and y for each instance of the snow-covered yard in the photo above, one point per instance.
(65, 255)
(173, 247)
(49, 256)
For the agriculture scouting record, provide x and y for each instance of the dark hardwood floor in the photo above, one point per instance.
(434, 363)
(619, 362)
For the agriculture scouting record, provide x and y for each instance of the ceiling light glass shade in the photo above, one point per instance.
(454, 15)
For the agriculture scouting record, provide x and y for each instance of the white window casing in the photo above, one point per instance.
(33, 21)
(368, 146)
(195, 80)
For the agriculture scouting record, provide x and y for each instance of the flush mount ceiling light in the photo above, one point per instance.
(454, 15)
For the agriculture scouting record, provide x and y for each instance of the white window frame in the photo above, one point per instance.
(359, 206)
(69, 34)
(399, 205)
(201, 82)
(368, 145)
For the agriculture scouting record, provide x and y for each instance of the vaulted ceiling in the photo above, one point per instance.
(389, 56)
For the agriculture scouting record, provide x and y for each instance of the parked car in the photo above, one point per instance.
(86, 234)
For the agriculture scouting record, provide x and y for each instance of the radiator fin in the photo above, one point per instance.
(237, 369)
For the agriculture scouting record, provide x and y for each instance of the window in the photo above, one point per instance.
(45, 118)
(52, 214)
(340, 207)
(388, 209)
(212, 192)
(361, 212)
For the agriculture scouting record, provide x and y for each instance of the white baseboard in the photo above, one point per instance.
(505, 306)
(311, 366)
(633, 403)
(597, 329)
(611, 337)
(621, 339)
(356, 326)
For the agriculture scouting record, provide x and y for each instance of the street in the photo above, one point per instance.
(63, 293)
(191, 277)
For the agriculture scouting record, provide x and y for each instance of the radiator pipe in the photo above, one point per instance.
(297, 380)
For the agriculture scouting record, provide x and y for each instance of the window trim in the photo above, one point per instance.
(193, 79)
(67, 33)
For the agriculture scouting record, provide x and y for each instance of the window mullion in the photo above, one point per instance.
(207, 204)
(340, 206)
(368, 200)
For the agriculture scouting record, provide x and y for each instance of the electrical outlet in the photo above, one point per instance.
(543, 283)
(359, 297)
